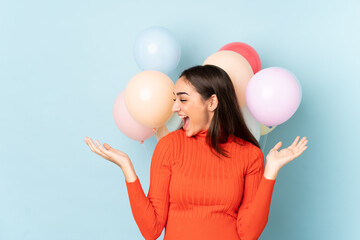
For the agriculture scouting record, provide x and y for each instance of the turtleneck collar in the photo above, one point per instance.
(202, 134)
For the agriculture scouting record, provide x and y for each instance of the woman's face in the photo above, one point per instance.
(193, 110)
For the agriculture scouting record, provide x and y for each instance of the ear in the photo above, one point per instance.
(213, 103)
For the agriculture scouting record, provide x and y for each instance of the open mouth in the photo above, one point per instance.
(186, 121)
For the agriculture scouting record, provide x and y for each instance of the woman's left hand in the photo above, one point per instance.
(277, 159)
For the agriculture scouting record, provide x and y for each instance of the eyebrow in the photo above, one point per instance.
(179, 93)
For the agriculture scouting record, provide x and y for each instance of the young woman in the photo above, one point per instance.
(207, 179)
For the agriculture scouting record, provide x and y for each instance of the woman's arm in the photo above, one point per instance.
(255, 205)
(258, 187)
(150, 212)
(129, 173)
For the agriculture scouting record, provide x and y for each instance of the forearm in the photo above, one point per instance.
(144, 210)
(129, 172)
(253, 214)
(271, 172)
(150, 212)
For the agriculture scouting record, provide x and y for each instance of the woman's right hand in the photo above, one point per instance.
(118, 157)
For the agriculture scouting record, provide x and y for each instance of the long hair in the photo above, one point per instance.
(228, 119)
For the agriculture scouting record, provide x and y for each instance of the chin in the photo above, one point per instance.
(188, 133)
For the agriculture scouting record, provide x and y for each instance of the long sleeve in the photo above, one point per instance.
(255, 206)
(150, 213)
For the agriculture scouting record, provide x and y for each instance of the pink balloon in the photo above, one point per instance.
(273, 95)
(126, 123)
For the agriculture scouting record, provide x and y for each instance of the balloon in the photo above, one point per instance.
(156, 48)
(273, 95)
(238, 69)
(265, 130)
(126, 123)
(251, 123)
(149, 98)
(247, 52)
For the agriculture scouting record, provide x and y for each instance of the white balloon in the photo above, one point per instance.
(251, 123)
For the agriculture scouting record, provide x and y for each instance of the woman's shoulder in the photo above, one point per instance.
(173, 140)
(173, 136)
(244, 144)
(234, 139)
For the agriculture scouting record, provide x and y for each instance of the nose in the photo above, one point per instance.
(175, 107)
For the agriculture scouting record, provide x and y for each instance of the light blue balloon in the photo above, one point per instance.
(156, 48)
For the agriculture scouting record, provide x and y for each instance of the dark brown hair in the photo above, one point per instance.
(228, 119)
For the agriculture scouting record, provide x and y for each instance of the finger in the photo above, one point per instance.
(107, 146)
(295, 142)
(302, 141)
(301, 144)
(88, 143)
(277, 146)
(299, 151)
(103, 150)
(91, 143)
(97, 150)
(298, 145)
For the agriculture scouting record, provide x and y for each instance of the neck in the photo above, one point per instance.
(202, 134)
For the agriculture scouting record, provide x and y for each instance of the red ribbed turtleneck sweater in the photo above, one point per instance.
(196, 195)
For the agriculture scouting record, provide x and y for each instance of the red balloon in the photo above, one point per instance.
(247, 52)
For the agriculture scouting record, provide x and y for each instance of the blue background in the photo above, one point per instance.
(62, 64)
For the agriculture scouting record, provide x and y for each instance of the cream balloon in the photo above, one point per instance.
(265, 130)
(238, 69)
(149, 98)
